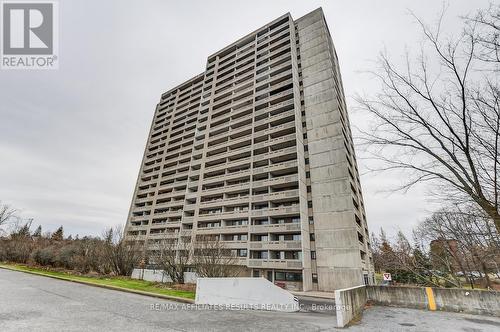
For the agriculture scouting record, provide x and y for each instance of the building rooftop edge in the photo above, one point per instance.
(187, 82)
(235, 43)
(250, 34)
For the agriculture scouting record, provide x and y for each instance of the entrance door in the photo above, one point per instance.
(270, 276)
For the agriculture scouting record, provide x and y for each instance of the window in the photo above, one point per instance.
(315, 277)
(313, 254)
(311, 220)
(312, 237)
(279, 276)
(288, 276)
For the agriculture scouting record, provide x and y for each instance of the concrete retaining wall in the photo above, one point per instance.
(244, 293)
(479, 302)
(473, 301)
(349, 303)
(409, 297)
(159, 276)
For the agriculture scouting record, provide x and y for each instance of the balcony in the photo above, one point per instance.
(266, 35)
(226, 201)
(275, 181)
(276, 129)
(275, 263)
(272, 61)
(176, 213)
(223, 189)
(275, 167)
(266, 53)
(274, 141)
(187, 220)
(223, 215)
(276, 196)
(270, 72)
(277, 211)
(271, 228)
(275, 245)
(223, 230)
(139, 218)
(189, 207)
(234, 244)
(217, 167)
(173, 184)
(229, 154)
(229, 142)
(175, 175)
(231, 132)
(276, 96)
(224, 177)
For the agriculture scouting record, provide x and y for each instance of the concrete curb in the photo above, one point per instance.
(121, 289)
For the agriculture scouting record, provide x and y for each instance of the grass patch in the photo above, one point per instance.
(122, 282)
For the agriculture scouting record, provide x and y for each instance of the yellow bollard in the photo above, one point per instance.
(430, 298)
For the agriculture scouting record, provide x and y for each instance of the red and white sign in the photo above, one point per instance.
(387, 277)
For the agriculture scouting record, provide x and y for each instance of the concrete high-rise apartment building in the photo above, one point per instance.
(258, 150)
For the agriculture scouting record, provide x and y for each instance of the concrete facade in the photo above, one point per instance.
(257, 151)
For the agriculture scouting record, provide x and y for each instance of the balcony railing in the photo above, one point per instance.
(275, 263)
(275, 245)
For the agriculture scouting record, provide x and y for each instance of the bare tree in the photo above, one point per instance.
(466, 237)
(213, 259)
(487, 23)
(121, 255)
(173, 256)
(6, 213)
(21, 243)
(438, 118)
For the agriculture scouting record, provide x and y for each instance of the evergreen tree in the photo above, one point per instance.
(38, 232)
(58, 235)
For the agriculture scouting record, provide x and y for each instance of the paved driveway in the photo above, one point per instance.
(34, 303)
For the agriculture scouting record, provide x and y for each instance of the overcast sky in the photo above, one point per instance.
(71, 140)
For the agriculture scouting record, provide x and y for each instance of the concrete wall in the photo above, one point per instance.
(159, 276)
(479, 302)
(409, 297)
(338, 261)
(245, 293)
(349, 303)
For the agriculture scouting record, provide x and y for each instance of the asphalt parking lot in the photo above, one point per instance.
(401, 319)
